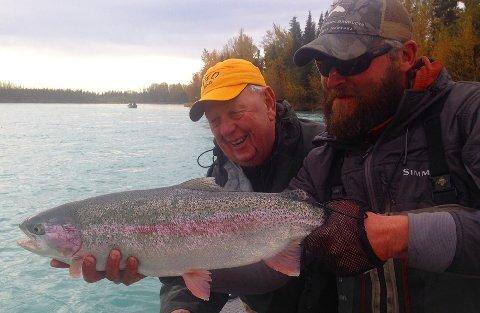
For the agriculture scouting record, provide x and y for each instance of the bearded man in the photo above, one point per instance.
(403, 141)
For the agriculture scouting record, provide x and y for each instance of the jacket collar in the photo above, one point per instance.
(430, 83)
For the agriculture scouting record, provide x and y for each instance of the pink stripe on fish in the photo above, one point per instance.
(220, 223)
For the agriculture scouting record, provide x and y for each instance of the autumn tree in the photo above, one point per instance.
(277, 46)
(192, 90)
(423, 23)
(457, 46)
(242, 47)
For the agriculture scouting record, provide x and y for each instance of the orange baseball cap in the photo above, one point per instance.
(224, 81)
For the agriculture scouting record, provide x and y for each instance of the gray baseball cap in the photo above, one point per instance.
(353, 27)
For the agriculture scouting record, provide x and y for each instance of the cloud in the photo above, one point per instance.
(127, 44)
(173, 27)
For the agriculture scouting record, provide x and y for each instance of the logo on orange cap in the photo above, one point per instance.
(208, 79)
(225, 81)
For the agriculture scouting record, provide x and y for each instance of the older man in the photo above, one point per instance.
(403, 139)
(260, 145)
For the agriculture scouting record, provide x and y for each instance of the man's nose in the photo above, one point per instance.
(334, 79)
(227, 127)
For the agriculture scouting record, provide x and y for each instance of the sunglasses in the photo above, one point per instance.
(353, 66)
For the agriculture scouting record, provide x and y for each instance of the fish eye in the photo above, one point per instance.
(38, 229)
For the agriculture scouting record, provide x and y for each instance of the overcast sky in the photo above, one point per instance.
(102, 45)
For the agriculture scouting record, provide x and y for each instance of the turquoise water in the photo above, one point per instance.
(56, 153)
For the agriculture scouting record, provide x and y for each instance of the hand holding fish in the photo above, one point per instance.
(112, 271)
(353, 241)
(342, 242)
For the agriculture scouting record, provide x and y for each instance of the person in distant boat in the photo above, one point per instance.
(260, 144)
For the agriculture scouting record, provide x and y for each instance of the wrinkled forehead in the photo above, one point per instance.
(245, 100)
(216, 108)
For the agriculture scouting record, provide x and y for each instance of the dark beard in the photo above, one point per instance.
(372, 107)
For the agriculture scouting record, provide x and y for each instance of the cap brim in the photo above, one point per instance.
(340, 46)
(220, 94)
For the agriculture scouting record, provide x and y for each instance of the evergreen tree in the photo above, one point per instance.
(309, 32)
(296, 33)
(319, 26)
(177, 93)
(308, 70)
(446, 11)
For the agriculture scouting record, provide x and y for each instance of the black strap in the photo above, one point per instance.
(335, 176)
(443, 188)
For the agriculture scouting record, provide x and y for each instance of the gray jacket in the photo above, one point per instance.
(392, 176)
(315, 289)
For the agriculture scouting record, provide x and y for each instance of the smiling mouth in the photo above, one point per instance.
(239, 141)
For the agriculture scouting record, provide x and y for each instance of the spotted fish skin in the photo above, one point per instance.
(171, 230)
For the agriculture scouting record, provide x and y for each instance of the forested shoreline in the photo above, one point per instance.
(446, 30)
(155, 93)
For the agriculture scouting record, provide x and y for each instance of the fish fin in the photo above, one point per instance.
(296, 194)
(76, 268)
(287, 261)
(198, 282)
(205, 183)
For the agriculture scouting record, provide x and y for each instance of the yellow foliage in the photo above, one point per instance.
(455, 47)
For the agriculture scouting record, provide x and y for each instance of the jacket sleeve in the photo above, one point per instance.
(451, 241)
(312, 176)
(467, 256)
(175, 295)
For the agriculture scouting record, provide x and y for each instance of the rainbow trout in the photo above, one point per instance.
(182, 230)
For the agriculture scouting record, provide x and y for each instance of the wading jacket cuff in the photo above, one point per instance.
(432, 241)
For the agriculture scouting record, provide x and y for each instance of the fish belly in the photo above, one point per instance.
(162, 256)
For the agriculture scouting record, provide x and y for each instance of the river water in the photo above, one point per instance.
(56, 153)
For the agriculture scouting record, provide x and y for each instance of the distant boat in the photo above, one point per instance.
(132, 105)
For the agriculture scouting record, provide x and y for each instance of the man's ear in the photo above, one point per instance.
(409, 56)
(271, 103)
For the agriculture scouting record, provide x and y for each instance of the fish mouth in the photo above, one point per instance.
(29, 244)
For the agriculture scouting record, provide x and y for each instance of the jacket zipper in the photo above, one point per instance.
(368, 171)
